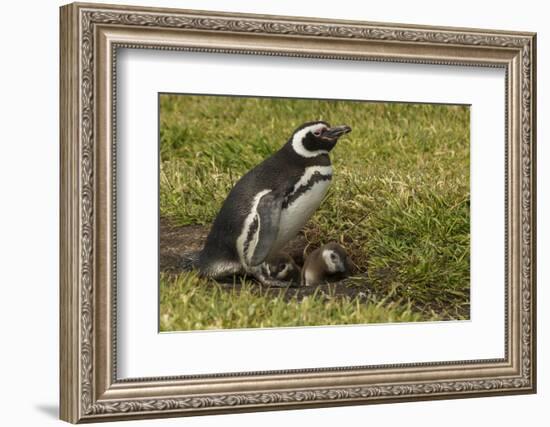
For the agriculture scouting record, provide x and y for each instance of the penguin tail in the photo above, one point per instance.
(190, 261)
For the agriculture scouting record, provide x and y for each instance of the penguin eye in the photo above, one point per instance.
(317, 133)
(333, 257)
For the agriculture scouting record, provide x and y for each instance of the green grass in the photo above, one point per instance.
(186, 306)
(399, 199)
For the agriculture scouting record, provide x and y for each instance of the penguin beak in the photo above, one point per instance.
(336, 132)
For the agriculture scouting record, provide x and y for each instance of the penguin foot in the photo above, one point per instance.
(259, 273)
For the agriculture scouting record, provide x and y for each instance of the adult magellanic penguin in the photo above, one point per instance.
(270, 204)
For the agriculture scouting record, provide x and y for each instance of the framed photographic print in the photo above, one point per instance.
(265, 212)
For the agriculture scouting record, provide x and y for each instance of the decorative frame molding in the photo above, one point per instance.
(90, 36)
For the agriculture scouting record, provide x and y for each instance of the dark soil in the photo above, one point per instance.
(178, 240)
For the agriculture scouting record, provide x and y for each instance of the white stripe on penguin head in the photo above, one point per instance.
(333, 265)
(298, 145)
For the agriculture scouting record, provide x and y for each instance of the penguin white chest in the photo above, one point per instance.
(302, 203)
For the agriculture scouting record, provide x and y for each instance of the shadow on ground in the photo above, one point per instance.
(178, 240)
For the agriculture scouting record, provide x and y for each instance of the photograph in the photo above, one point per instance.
(287, 212)
(264, 212)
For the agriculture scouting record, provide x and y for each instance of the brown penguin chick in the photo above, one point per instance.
(282, 267)
(327, 263)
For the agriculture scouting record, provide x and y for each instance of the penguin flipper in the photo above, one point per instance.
(269, 215)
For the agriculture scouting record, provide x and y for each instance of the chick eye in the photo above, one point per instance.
(332, 257)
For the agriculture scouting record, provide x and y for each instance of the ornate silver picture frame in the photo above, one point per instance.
(91, 34)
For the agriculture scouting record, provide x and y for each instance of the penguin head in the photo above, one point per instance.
(335, 258)
(314, 138)
(282, 267)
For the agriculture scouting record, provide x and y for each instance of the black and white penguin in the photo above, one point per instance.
(327, 263)
(282, 267)
(270, 204)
